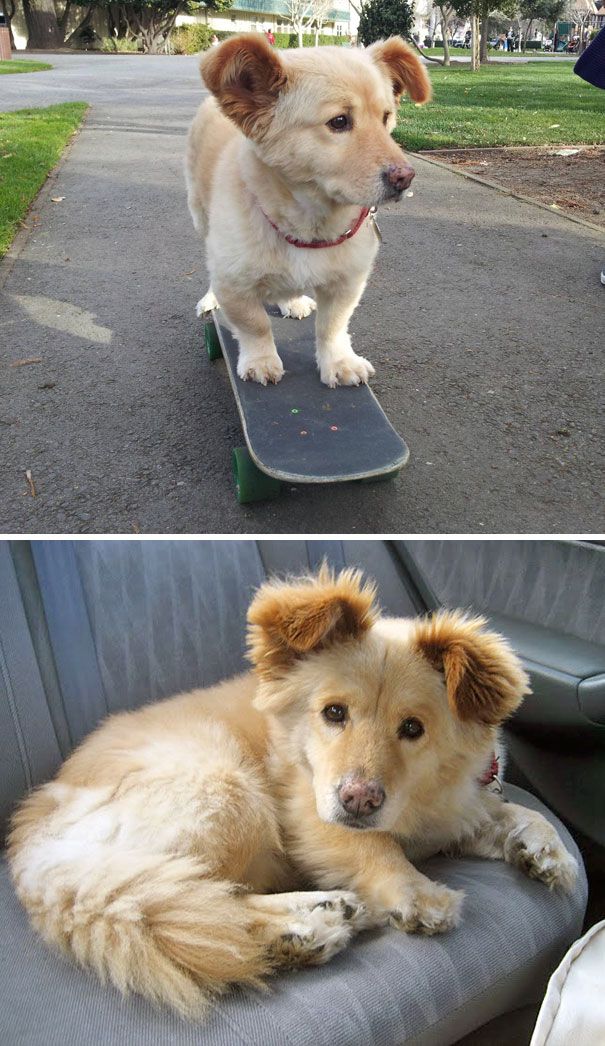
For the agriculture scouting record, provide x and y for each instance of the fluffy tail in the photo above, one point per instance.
(147, 923)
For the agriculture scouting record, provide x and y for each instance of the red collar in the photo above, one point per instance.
(314, 244)
(492, 772)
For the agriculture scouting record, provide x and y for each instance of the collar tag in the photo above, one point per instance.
(375, 225)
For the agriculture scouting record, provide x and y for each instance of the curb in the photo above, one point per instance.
(7, 262)
(510, 192)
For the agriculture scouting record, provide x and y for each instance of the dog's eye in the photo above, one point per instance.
(411, 728)
(340, 123)
(385, 118)
(335, 713)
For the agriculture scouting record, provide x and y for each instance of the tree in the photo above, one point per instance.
(382, 18)
(447, 14)
(531, 11)
(43, 28)
(300, 14)
(321, 10)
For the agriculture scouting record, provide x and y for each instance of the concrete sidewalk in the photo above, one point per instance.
(484, 319)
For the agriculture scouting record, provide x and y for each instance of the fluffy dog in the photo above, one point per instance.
(283, 165)
(161, 854)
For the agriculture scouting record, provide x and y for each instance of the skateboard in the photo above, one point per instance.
(301, 431)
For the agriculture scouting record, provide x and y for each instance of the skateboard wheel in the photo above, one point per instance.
(251, 484)
(212, 342)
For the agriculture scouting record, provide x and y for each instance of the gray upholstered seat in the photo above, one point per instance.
(85, 629)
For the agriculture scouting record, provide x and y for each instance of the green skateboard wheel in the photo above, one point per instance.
(212, 342)
(250, 483)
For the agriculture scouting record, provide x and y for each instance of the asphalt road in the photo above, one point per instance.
(484, 319)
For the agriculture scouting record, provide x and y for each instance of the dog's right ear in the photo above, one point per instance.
(245, 74)
(290, 620)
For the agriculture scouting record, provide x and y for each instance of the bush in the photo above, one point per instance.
(189, 39)
(383, 18)
(286, 40)
(113, 45)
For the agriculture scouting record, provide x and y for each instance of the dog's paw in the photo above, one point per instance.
(206, 304)
(264, 369)
(428, 908)
(348, 370)
(297, 308)
(538, 852)
(313, 937)
(349, 906)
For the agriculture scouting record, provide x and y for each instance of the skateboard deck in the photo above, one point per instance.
(301, 431)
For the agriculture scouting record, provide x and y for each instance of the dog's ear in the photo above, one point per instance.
(484, 679)
(245, 74)
(289, 620)
(404, 68)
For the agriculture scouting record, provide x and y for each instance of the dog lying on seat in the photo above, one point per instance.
(220, 835)
(285, 165)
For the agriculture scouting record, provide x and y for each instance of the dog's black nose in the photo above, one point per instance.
(361, 798)
(398, 176)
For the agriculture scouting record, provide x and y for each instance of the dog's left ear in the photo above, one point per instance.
(245, 74)
(484, 678)
(403, 67)
(289, 620)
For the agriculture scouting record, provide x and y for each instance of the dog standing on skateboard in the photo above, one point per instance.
(285, 166)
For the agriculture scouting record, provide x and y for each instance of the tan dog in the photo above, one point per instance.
(296, 146)
(156, 854)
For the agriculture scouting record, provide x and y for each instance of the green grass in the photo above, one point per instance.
(505, 105)
(31, 142)
(20, 65)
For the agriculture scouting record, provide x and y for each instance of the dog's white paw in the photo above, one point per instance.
(206, 304)
(538, 851)
(264, 369)
(297, 308)
(312, 937)
(428, 908)
(348, 906)
(348, 370)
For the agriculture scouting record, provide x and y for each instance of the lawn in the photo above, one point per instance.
(541, 103)
(20, 65)
(31, 142)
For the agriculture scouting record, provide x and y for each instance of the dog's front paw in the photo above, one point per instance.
(264, 369)
(538, 851)
(347, 370)
(207, 304)
(428, 908)
(297, 308)
(350, 907)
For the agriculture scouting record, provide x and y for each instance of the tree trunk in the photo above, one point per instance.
(42, 26)
(446, 46)
(475, 63)
(81, 25)
(300, 36)
(484, 32)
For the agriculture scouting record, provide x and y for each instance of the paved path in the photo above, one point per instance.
(484, 318)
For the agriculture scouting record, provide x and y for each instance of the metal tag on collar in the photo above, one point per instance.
(375, 224)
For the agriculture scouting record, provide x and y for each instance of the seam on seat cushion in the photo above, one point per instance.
(12, 704)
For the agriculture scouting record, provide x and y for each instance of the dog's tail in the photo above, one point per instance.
(149, 923)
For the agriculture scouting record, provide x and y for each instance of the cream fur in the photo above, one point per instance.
(262, 143)
(161, 854)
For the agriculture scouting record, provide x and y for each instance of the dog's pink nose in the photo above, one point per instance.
(361, 798)
(398, 176)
